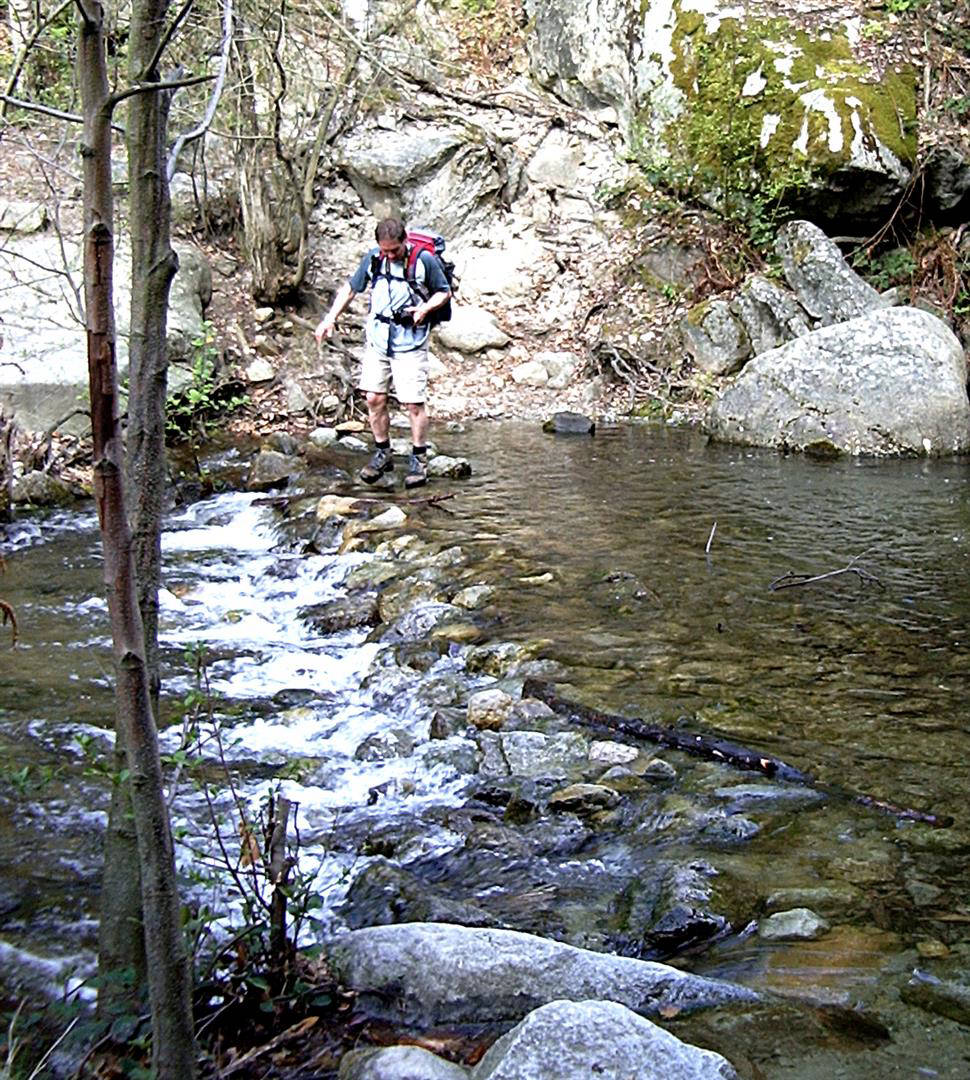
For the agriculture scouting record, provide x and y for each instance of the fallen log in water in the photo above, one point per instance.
(715, 749)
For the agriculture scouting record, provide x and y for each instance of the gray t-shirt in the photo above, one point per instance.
(391, 292)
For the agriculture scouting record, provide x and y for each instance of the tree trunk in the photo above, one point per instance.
(173, 1050)
(272, 222)
(153, 266)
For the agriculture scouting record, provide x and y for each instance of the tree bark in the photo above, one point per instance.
(173, 1049)
(153, 265)
(273, 221)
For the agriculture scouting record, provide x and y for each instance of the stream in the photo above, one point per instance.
(635, 568)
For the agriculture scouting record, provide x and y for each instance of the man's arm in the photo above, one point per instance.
(435, 300)
(439, 283)
(341, 302)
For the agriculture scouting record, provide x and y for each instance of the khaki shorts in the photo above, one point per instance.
(408, 371)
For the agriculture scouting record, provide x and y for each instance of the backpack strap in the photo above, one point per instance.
(411, 273)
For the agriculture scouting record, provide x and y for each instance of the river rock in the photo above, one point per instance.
(473, 597)
(600, 1039)
(886, 383)
(384, 894)
(682, 910)
(489, 709)
(940, 996)
(826, 286)
(356, 609)
(417, 623)
(604, 752)
(449, 468)
(38, 488)
(398, 1063)
(271, 469)
(391, 518)
(569, 423)
(336, 506)
(532, 754)
(436, 973)
(583, 799)
(798, 924)
(832, 899)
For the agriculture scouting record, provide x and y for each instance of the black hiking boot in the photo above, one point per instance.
(381, 462)
(417, 473)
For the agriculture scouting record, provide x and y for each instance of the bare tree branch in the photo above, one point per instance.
(28, 44)
(203, 127)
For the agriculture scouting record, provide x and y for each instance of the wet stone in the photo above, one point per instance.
(939, 996)
(583, 799)
(798, 924)
(356, 609)
(385, 745)
(569, 423)
(728, 831)
(826, 899)
(658, 769)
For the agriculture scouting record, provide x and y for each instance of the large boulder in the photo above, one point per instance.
(738, 106)
(891, 382)
(45, 375)
(437, 973)
(433, 175)
(826, 286)
(595, 1038)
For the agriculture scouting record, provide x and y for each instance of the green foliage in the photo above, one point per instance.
(959, 106)
(714, 150)
(900, 7)
(194, 411)
(245, 950)
(883, 271)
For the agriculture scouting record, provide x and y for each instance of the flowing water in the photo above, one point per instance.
(644, 559)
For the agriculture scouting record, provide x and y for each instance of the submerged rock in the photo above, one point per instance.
(939, 996)
(798, 924)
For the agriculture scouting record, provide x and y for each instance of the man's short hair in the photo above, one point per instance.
(390, 230)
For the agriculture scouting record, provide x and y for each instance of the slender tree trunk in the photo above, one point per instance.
(153, 265)
(265, 199)
(173, 1050)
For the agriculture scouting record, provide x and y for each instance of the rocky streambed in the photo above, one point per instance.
(564, 846)
(480, 856)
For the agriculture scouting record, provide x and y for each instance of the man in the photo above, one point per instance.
(396, 342)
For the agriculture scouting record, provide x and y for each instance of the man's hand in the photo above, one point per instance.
(325, 329)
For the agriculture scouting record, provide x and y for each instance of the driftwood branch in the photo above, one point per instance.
(790, 580)
(713, 748)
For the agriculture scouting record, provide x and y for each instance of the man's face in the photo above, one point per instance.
(395, 250)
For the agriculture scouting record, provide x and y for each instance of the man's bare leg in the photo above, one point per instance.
(381, 461)
(378, 416)
(418, 415)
